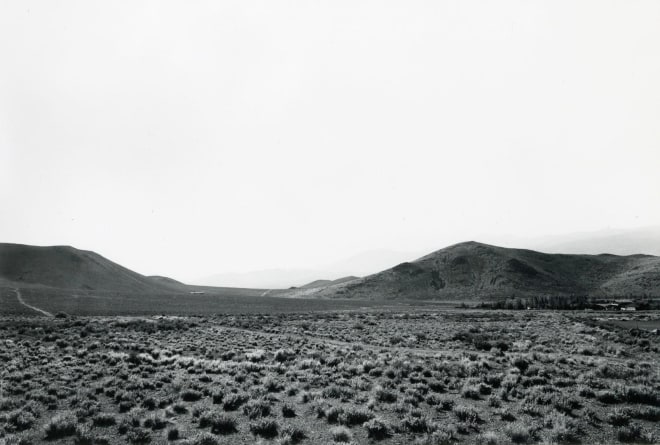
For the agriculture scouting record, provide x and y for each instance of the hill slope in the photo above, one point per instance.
(65, 267)
(323, 283)
(166, 280)
(480, 271)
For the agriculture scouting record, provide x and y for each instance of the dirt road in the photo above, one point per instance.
(34, 308)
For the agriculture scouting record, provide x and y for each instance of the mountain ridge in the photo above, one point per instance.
(65, 267)
(465, 271)
(474, 270)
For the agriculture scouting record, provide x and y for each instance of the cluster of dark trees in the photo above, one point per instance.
(560, 302)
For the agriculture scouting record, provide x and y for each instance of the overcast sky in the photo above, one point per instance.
(189, 138)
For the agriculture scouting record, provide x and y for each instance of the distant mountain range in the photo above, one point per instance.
(362, 264)
(644, 240)
(479, 271)
(468, 270)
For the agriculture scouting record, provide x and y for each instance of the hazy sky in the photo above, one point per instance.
(188, 138)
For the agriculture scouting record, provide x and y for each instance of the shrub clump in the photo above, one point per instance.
(256, 408)
(386, 396)
(378, 429)
(139, 435)
(272, 385)
(415, 424)
(341, 434)
(439, 437)
(521, 363)
(233, 401)
(104, 419)
(488, 438)
(202, 438)
(519, 433)
(190, 395)
(217, 396)
(266, 428)
(608, 397)
(219, 422)
(283, 355)
(634, 434)
(644, 395)
(466, 414)
(288, 410)
(84, 436)
(155, 422)
(355, 416)
(471, 392)
(619, 417)
(62, 425)
(646, 413)
(563, 429)
(173, 434)
(332, 414)
(291, 435)
(20, 420)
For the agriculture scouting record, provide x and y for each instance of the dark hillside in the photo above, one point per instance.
(65, 267)
(480, 271)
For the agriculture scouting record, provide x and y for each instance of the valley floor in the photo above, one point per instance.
(353, 376)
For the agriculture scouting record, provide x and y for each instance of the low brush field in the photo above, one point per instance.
(356, 376)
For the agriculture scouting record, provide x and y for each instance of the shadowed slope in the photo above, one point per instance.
(65, 267)
(481, 271)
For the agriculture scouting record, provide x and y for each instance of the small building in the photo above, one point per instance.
(626, 305)
(613, 305)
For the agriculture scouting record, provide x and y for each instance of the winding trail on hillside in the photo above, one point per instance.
(29, 306)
